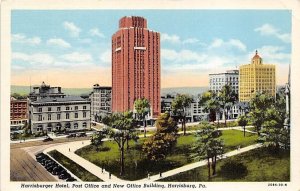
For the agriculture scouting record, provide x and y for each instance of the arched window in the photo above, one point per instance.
(84, 125)
(75, 125)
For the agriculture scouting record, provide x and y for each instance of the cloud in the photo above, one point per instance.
(72, 28)
(190, 41)
(58, 42)
(105, 57)
(36, 59)
(96, 32)
(182, 56)
(231, 43)
(270, 30)
(170, 38)
(274, 54)
(21, 38)
(77, 57)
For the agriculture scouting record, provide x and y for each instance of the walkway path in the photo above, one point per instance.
(200, 163)
(92, 168)
(69, 149)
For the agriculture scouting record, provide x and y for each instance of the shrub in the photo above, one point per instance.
(233, 169)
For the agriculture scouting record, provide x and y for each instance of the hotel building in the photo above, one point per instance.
(256, 77)
(51, 110)
(135, 65)
(18, 112)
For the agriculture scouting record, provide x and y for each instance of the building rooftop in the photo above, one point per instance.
(65, 99)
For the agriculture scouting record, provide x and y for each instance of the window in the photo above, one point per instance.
(40, 109)
(40, 118)
(58, 108)
(49, 108)
(67, 108)
(75, 125)
(84, 114)
(76, 107)
(58, 116)
(49, 117)
(76, 115)
(84, 125)
(84, 107)
(67, 116)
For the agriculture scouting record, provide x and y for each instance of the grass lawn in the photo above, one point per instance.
(261, 165)
(136, 164)
(76, 169)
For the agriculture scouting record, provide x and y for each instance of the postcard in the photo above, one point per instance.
(149, 95)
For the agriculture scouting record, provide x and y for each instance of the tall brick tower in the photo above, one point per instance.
(135, 65)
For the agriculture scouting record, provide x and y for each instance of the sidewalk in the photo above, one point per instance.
(92, 168)
(198, 164)
(97, 171)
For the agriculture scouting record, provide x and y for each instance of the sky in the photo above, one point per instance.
(72, 48)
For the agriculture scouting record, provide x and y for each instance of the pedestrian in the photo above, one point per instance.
(239, 147)
(69, 150)
(82, 142)
(102, 169)
(160, 174)
(148, 176)
(109, 175)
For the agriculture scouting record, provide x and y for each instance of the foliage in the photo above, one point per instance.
(270, 114)
(160, 144)
(75, 168)
(124, 130)
(243, 121)
(208, 145)
(232, 169)
(97, 138)
(19, 96)
(227, 97)
(179, 106)
(210, 102)
(142, 107)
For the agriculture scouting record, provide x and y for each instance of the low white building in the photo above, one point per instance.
(57, 114)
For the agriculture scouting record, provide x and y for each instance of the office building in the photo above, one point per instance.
(256, 77)
(230, 77)
(135, 65)
(100, 102)
(18, 112)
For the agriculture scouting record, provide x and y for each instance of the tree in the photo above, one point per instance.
(208, 146)
(210, 102)
(142, 107)
(179, 106)
(123, 124)
(97, 138)
(161, 143)
(258, 105)
(243, 121)
(227, 98)
(274, 135)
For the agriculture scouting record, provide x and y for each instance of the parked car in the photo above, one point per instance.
(83, 134)
(71, 179)
(64, 176)
(71, 135)
(57, 170)
(47, 139)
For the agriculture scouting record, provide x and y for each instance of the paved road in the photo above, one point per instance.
(24, 168)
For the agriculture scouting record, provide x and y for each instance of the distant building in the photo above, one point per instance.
(18, 112)
(100, 102)
(166, 102)
(256, 77)
(51, 110)
(230, 77)
(135, 65)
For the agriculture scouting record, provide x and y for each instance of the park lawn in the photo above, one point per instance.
(136, 164)
(73, 167)
(262, 165)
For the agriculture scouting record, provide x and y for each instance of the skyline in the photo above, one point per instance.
(76, 44)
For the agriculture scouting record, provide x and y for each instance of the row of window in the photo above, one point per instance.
(58, 116)
(40, 109)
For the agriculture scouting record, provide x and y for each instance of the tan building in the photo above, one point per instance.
(256, 77)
